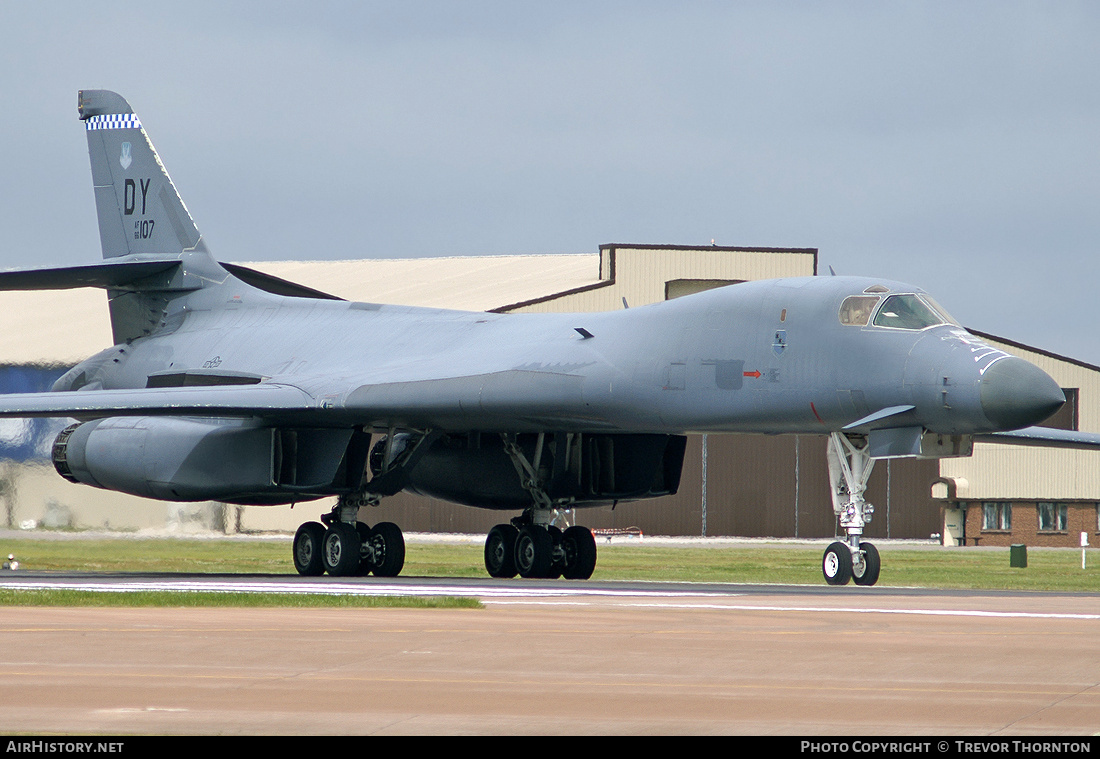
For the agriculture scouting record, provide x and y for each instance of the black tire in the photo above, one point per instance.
(836, 564)
(500, 551)
(534, 552)
(580, 553)
(341, 550)
(307, 549)
(866, 572)
(389, 549)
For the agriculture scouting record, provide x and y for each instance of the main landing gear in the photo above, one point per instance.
(346, 547)
(531, 545)
(850, 467)
(540, 550)
(349, 549)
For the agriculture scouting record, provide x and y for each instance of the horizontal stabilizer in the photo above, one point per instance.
(118, 274)
(145, 273)
(1043, 436)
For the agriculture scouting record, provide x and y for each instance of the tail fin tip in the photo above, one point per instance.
(91, 103)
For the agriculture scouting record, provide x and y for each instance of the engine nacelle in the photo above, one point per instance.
(584, 469)
(184, 459)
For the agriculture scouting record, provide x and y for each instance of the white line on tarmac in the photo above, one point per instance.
(514, 596)
(353, 589)
(839, 609)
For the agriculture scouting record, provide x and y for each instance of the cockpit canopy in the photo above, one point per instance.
(900, 311)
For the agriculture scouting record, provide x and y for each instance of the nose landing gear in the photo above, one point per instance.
(850, 466)
(840, 564)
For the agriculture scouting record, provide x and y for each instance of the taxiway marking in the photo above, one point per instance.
(520, 596)
(837, 609)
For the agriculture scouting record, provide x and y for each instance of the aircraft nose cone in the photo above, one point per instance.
(1016, 393)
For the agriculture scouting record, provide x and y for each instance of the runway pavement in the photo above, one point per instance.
(558, 658)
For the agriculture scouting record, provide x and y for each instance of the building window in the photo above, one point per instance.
(997, 516)
(1052, 517)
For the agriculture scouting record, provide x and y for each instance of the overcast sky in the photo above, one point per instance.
(952, 145)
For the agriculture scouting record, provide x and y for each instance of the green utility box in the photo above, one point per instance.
(1017, 555)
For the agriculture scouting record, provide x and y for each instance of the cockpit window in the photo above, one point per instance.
(909, 312)
(856, 310)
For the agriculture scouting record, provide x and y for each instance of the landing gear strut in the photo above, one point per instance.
(850, 466)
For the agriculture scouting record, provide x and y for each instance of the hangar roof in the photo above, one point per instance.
(468, 283)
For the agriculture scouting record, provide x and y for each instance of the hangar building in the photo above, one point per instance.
(732, 485)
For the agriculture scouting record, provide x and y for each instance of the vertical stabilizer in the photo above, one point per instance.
(140, 213)
(138, 206)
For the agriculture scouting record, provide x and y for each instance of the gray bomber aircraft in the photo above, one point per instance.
(226, 384)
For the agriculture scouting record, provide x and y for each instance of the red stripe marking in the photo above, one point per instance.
(815, 413)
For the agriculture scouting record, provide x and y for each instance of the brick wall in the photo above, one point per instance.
(1080, 517)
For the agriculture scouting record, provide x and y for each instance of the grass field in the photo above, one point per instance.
(1048, 569)
(192, 599)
